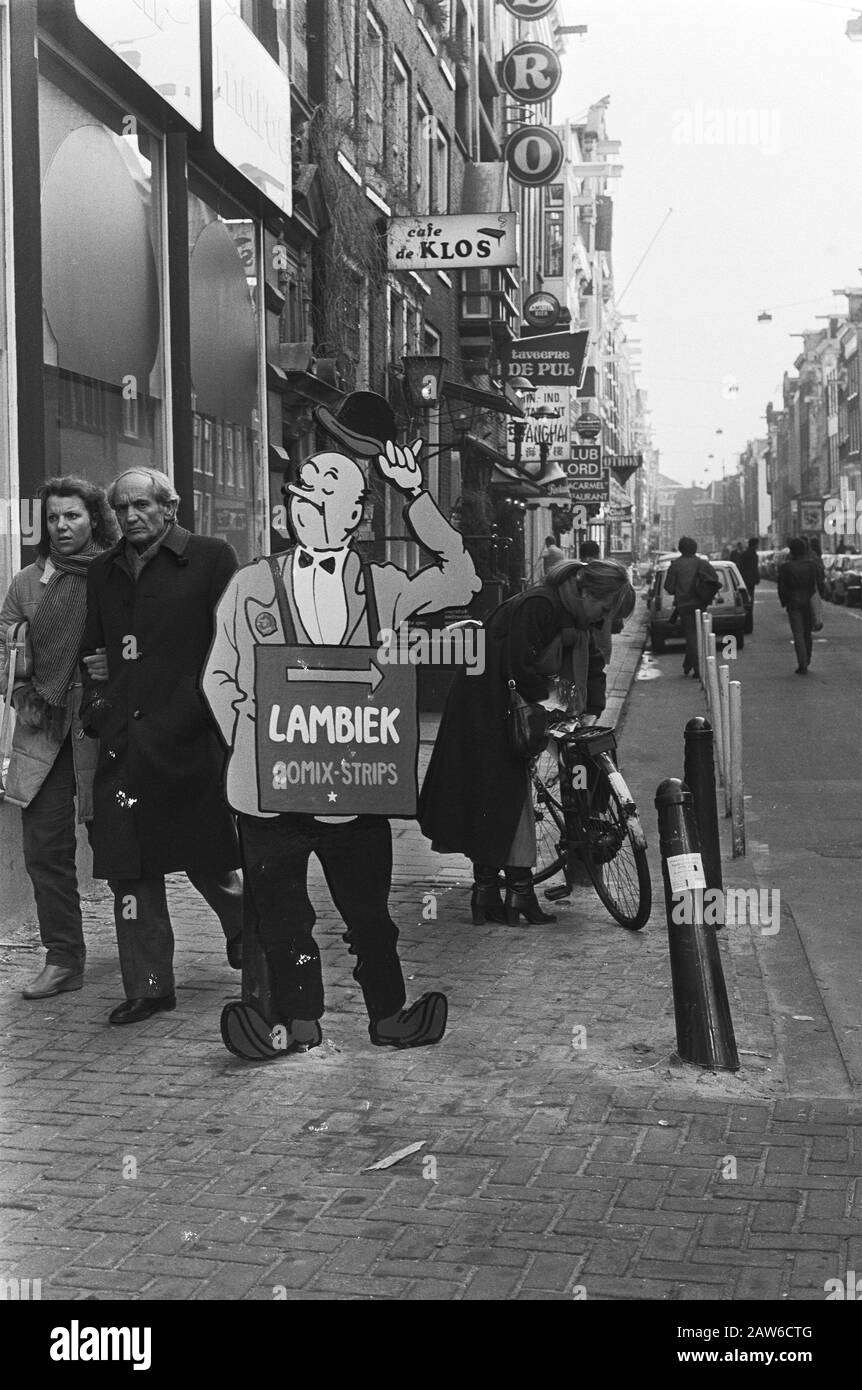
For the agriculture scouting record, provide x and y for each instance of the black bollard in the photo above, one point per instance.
(704, 1029)
(699, 775)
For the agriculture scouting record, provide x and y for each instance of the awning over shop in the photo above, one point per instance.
(488, 400)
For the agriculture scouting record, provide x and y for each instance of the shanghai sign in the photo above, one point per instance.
(453, 243)
(530, 72)
(550, 359)
(533, 155)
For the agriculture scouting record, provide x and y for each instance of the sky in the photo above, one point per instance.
(766, 216)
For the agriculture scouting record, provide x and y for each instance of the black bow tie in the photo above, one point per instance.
(305, 560)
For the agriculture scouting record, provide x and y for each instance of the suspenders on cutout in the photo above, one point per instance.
(287, 623)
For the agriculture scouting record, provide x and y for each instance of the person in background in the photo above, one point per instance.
(551, 555)
(749, 567)
(589, 550)
(158, 800)
(476, 797)
(797, 581)
(681, 583)
(53, 765)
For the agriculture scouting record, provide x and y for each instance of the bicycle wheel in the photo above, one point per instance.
(615, 855)
(548, 814)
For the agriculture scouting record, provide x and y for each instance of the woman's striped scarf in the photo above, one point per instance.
(57, 626)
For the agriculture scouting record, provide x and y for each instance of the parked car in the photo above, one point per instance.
(846, 575)
(730, 609)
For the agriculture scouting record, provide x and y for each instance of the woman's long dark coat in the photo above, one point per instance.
(474, 789)
(159, 806)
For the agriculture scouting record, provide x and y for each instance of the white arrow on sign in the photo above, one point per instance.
(372, 677)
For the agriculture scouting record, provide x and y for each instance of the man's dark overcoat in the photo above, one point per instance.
(158, 802)
(474, 789)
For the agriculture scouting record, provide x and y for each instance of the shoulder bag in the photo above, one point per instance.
(526, 721)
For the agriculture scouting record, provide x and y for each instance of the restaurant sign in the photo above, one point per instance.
(460, 242)
(550, 358)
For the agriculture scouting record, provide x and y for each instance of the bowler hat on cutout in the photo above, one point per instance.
(363, 422)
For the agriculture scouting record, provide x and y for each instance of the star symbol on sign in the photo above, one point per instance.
(333, 796)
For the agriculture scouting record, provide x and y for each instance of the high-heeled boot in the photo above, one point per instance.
(521, 899)
(485, 901)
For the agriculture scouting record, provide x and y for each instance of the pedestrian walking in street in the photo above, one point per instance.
(749, 567)
(158, 800)
(52, 765)
(693, 583)
(551, 555)
(319, 593)
(798, 581)
(476, 797)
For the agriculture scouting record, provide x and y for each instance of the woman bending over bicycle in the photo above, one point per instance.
(476, 797)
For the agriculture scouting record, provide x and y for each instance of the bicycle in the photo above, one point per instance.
(586, 818)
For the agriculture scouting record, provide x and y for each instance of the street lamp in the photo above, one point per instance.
(423, 377)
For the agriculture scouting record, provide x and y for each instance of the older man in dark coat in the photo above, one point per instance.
(158, 803)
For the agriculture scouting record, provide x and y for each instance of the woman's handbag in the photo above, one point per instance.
(18, 638)
(526, 725)
(526, 722)
(816, 604)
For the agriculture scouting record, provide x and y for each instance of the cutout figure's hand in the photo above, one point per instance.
(399, 467)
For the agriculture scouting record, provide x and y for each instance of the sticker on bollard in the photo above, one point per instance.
(685, 871)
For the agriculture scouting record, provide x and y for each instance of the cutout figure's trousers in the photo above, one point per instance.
(356, 857)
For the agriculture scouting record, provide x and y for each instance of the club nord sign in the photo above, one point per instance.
(454, 243)
(530, 72)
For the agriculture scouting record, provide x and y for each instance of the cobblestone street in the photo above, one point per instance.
(565, 1154)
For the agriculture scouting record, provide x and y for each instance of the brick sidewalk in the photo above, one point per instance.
(147, 1163)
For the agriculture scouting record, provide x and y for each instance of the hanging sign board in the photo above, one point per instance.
(589, 426)
(530, 72)
(541, 310)
(159, 40)
(554, 433)
(550, 358)
(337, 732)
(251, 106)
(533, 155)
(588, 478)
(459, 242)
(529, 9)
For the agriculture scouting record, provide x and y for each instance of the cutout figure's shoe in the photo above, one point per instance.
(420, 1025)
(246, 1033)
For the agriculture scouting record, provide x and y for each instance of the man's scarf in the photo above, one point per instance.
(57, 626)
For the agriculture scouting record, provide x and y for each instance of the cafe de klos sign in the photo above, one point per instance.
(458, 242)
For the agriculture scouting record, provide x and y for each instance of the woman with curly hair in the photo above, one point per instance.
(52, 763)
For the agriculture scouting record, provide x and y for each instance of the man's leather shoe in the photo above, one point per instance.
(233, 951)
(423, 1024)
(54, 979)
(136, 1010)
(247, 1034)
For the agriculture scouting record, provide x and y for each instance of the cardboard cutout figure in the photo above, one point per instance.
(322, 736)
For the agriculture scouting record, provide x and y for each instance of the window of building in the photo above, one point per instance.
(476, 300)
(103, 286)
(554, 195)
(373, 88)
(345, 60)
(292, 22)
(442, 148)
(424, 150)
(553, 267)
(399, 146)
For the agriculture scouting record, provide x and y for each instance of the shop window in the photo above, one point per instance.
(102, 282)
(224, 293)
